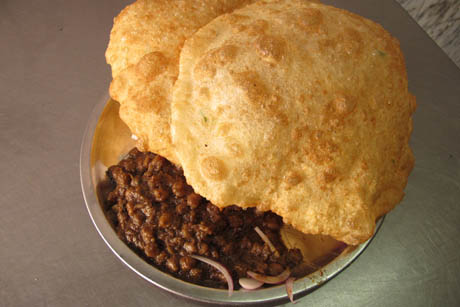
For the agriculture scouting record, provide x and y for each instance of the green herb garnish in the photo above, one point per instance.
(205, 119)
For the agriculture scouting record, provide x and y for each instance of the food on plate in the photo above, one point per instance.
(143, 52)
(298, 108)
(158, 214)
(272, 136)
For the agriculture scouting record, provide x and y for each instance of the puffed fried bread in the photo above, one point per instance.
(299, 108)
(143, 51)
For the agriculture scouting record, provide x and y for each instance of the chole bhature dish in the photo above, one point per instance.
(271, 135)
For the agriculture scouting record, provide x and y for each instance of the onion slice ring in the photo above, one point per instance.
(250, 283)
(264, 237)
(289, 285)
(220, 268)
(272, 280)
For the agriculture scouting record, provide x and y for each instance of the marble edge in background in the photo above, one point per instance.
(441, 20)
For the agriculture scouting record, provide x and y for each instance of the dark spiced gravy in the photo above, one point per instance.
(159, 216)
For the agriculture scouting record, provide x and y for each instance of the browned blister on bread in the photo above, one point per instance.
(299, 108)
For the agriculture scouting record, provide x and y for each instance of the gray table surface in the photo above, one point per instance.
(52, 72)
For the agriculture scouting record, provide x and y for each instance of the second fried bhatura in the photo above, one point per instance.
(299, 108)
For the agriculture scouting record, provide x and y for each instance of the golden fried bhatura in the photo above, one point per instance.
(143, 51)
(299, 108)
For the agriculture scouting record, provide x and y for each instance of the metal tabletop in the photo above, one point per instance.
(52, 73)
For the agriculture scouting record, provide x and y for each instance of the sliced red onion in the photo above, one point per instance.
(220, 268)
(249, 283)
(273, 280)
(266, 240)
(289, 286)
